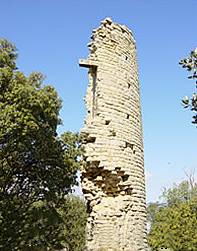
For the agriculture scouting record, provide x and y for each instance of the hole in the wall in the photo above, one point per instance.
(125, 177)
(129, 85)
(85, 158)
(88, 207)
(123, 30)
(117, 168)
(107, 122)
(93, 170)
(127, 144)
(112, 133)
(129, 191)
(120, 173)
(90, 139)
(126, 58)
(95, 163)
(128, 116)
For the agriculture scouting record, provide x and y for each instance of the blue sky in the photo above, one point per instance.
(51, 35)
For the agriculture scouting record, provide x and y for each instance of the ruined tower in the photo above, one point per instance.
(113, 180)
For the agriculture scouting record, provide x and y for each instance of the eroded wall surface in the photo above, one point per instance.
(113, 181)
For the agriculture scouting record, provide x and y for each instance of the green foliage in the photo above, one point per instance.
(190, 64)
(152, 209)
(37, 169)
(174, 227)
(73, 150)
(44, 227)
(174, 222)
(184, 192)
(75, 217)
(34, 227)
(107, 249)
(8, 54)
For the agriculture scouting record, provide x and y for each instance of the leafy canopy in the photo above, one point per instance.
(190, 64)
(174, 222)
(37, 168)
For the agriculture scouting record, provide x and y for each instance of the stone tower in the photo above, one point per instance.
(113, 181)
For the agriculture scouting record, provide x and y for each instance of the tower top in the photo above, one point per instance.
(110, 33)
(108, 21)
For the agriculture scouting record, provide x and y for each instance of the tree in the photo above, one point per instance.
(190, 64)
(37, 168)
(152, 210)
(174, 221)
(74, 223)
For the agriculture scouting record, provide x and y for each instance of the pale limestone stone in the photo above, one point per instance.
(113, 181)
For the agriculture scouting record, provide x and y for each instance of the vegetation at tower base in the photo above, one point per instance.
(74, 222)
(190, 64)
(174, 222)
(37, 168)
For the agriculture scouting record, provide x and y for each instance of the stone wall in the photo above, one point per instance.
(113, 181)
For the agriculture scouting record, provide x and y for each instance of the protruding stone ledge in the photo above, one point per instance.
(87, 63)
